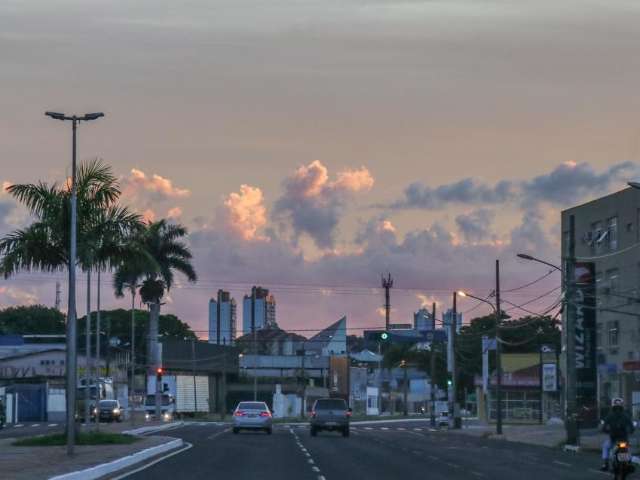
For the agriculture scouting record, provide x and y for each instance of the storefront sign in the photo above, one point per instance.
(549, 377)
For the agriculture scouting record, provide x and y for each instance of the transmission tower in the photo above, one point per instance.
(387, 284)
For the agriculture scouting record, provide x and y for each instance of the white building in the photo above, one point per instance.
(222, 319)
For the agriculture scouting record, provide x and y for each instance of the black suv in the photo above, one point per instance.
(330, 414)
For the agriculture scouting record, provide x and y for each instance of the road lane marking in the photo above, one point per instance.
(310, 461)
(52, 425)
(417, 429)
(18, 425)
(35, 425)
(431, 457)
(321, 477)
(384, 428)
(315, 469)
(217, 434)
(452, 465)
(158, 460)
(401, 428)
(368, 428)
(564, 464)
(477, 474)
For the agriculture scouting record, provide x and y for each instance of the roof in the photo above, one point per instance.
(323, 338)
(271, 334)
(366, 356)
(28, 354)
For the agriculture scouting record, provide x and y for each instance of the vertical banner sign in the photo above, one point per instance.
(549, 377)
(582, 307)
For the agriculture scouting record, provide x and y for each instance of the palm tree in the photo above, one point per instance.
(165, 253)
(44, 245)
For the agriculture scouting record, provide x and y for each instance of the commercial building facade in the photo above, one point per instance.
(606, 240)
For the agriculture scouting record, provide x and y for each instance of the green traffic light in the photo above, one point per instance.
(384, 335)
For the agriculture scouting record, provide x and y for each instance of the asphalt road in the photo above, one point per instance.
(404, 451)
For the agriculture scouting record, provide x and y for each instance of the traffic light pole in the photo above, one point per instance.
(455, 413)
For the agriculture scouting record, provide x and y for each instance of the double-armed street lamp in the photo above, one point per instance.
(71, 355)
(498, 361)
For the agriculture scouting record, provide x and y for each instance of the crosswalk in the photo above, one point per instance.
(305, 426)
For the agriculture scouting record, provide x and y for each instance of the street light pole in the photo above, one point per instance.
(497, 333)
(71, 353)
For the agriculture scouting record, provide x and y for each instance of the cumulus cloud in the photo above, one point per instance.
(10, 295)
(150, 194)
(476, 225)
(312, 204)
(571, 182)
(245, 212)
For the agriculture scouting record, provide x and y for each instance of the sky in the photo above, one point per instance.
(311, 146)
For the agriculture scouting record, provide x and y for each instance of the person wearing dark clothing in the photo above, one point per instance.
(619, 426)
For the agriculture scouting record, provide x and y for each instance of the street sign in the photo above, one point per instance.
(549, 377)
(547, 349)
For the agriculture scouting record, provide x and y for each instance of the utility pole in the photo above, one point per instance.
(498, 354)
(571, 421)
(405, 388)
(218, 322)
(87, 352)
(255, 344)
(97, 365)
(432, 360)
(455, 409)
(193, 368)
(387, 284)
(133, 287)
(71, 361)
(224, 386)
(58, 294)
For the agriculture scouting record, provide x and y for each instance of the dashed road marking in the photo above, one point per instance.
(217, 434)
(52, 425)
(477, 474)
(417, 429)
(18, 425)
(384, 428)
(564, 464)
(315, 469)
(35, 425)
(401, 428)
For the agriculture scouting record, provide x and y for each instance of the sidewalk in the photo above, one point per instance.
(552, 436)
(39, 463)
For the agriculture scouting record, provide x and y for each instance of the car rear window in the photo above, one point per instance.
(108, 403)
(252, 406)
(334, 404)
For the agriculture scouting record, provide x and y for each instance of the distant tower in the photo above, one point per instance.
(58, 293)
(387, 284)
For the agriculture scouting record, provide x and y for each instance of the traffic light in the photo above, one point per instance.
(159, 373)
(449, 380)
(383, 336)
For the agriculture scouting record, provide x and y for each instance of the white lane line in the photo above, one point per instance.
(217, 434)
(477, 474)
(401, 428)
(310, 461)
(315, 469)
(564, 464)
(384, 428)
(368, 428)
(417, 429)
(144, 467)
(35, 425)
(52, 425)
(431, 457)
(18, 425)
(452, 465)
(321, 477)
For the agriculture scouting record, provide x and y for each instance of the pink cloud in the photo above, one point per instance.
(175, 212)
(246, 213)
(354, 180)
(155, 184)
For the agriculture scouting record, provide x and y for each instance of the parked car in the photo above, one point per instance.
(331, 414)
(108, 411)
(252, 416)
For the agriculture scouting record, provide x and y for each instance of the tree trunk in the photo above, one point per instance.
(155, 352)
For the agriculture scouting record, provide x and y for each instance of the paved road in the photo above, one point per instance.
(408, 451)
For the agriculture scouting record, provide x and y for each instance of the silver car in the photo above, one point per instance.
(252, 416)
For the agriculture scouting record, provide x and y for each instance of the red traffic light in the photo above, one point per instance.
(159, 371)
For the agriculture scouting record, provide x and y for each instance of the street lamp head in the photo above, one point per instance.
(92, 116)
(462, 293)
(55, 115)
(634, 185)
(524, 256)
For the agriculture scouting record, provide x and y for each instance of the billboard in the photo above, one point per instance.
(582, 310)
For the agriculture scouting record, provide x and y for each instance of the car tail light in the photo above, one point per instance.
(265, 414)
(239, 413)
(348, 414)
(313, 414)
(623, 445)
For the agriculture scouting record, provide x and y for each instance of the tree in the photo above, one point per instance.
(31, 320)
(161, 242)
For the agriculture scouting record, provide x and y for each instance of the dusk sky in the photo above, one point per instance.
(310, 145)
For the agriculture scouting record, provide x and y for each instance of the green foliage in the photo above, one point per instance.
(29, 320)
(117, 324)
(420, 359)
(90, 438)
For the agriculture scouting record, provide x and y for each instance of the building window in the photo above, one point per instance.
(613, 278)
(613, 333)
(612, 230)
(599, 289)
(598, 335)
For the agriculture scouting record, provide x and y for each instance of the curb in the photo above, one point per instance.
(153, 429)
(99, 471)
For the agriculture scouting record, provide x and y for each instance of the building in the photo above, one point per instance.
(423, 320)
(263, 306)
(222, 319)
(446, 320)
(604, 298)
(330, 341)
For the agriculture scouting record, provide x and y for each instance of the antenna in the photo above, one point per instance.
(387, 284)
